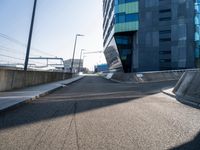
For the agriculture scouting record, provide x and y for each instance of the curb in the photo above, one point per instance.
(182, 100)
(75, 80)
(29, 100)
(188, 102)
(171, 95)
(143, 82)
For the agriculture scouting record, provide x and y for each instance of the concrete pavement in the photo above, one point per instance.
(14, 98)
(95, 113)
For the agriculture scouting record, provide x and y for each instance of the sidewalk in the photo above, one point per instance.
(14, 98)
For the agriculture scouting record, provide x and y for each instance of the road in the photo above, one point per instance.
(95, 113)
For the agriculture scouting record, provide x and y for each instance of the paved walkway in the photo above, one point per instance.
(11, 99)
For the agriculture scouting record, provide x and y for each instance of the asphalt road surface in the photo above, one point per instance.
(98, 114)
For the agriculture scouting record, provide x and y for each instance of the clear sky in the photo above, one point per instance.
(56, 24)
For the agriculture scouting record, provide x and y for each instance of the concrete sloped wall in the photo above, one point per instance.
(188, 87)
(14, 79)
(147, 76)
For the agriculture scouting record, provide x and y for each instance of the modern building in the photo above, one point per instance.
(77, 63)
(101, 68)
(151, 35)
(197, 33)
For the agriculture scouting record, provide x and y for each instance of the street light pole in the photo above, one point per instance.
(30, 37)
(74, 51)
(79, 66)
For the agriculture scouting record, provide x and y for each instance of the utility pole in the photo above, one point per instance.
(30, 37)
(79, 66)
(72, 64)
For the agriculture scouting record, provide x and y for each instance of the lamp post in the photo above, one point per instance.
(30, 37)
(77, 35)
(79, 66)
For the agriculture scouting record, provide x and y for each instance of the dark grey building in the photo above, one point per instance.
(150, 35)
(78, 64)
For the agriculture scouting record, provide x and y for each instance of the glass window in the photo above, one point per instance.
(126, 52)
(197, 28)
(122, 17)
(122, 40)
(121, 1)
(131, 17)
(117, 2)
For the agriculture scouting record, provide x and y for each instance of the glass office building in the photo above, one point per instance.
(120, 26)
(149, 35)
(197, 32)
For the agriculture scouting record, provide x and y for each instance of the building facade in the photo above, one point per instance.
(151, 35)
(78, 64)
(101, 68)
(197, 33)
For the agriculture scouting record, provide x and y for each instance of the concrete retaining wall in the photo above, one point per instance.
(188, 87)
(147, 76)
(14, 79)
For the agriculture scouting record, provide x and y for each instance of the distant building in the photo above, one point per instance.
(151, 35)
(77, 62)
(101, 68)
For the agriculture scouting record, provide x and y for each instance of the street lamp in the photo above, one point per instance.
(30, 36)
(79, 66)
(77, 35)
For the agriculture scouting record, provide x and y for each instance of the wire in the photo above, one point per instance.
(40, 51)
(36, 62)
(22, 44)
(11, 57)
(9, 50)
(5, 49)
(17, 58)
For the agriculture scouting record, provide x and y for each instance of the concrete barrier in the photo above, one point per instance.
(14, 79)
(148, 76)
(188, 87)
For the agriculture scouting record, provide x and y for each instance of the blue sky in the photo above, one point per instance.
(56, 24)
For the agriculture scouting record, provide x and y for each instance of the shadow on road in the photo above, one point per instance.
(86, 95)
(45, 110)
(191, 145)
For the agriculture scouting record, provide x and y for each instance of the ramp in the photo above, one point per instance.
(188, 87)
